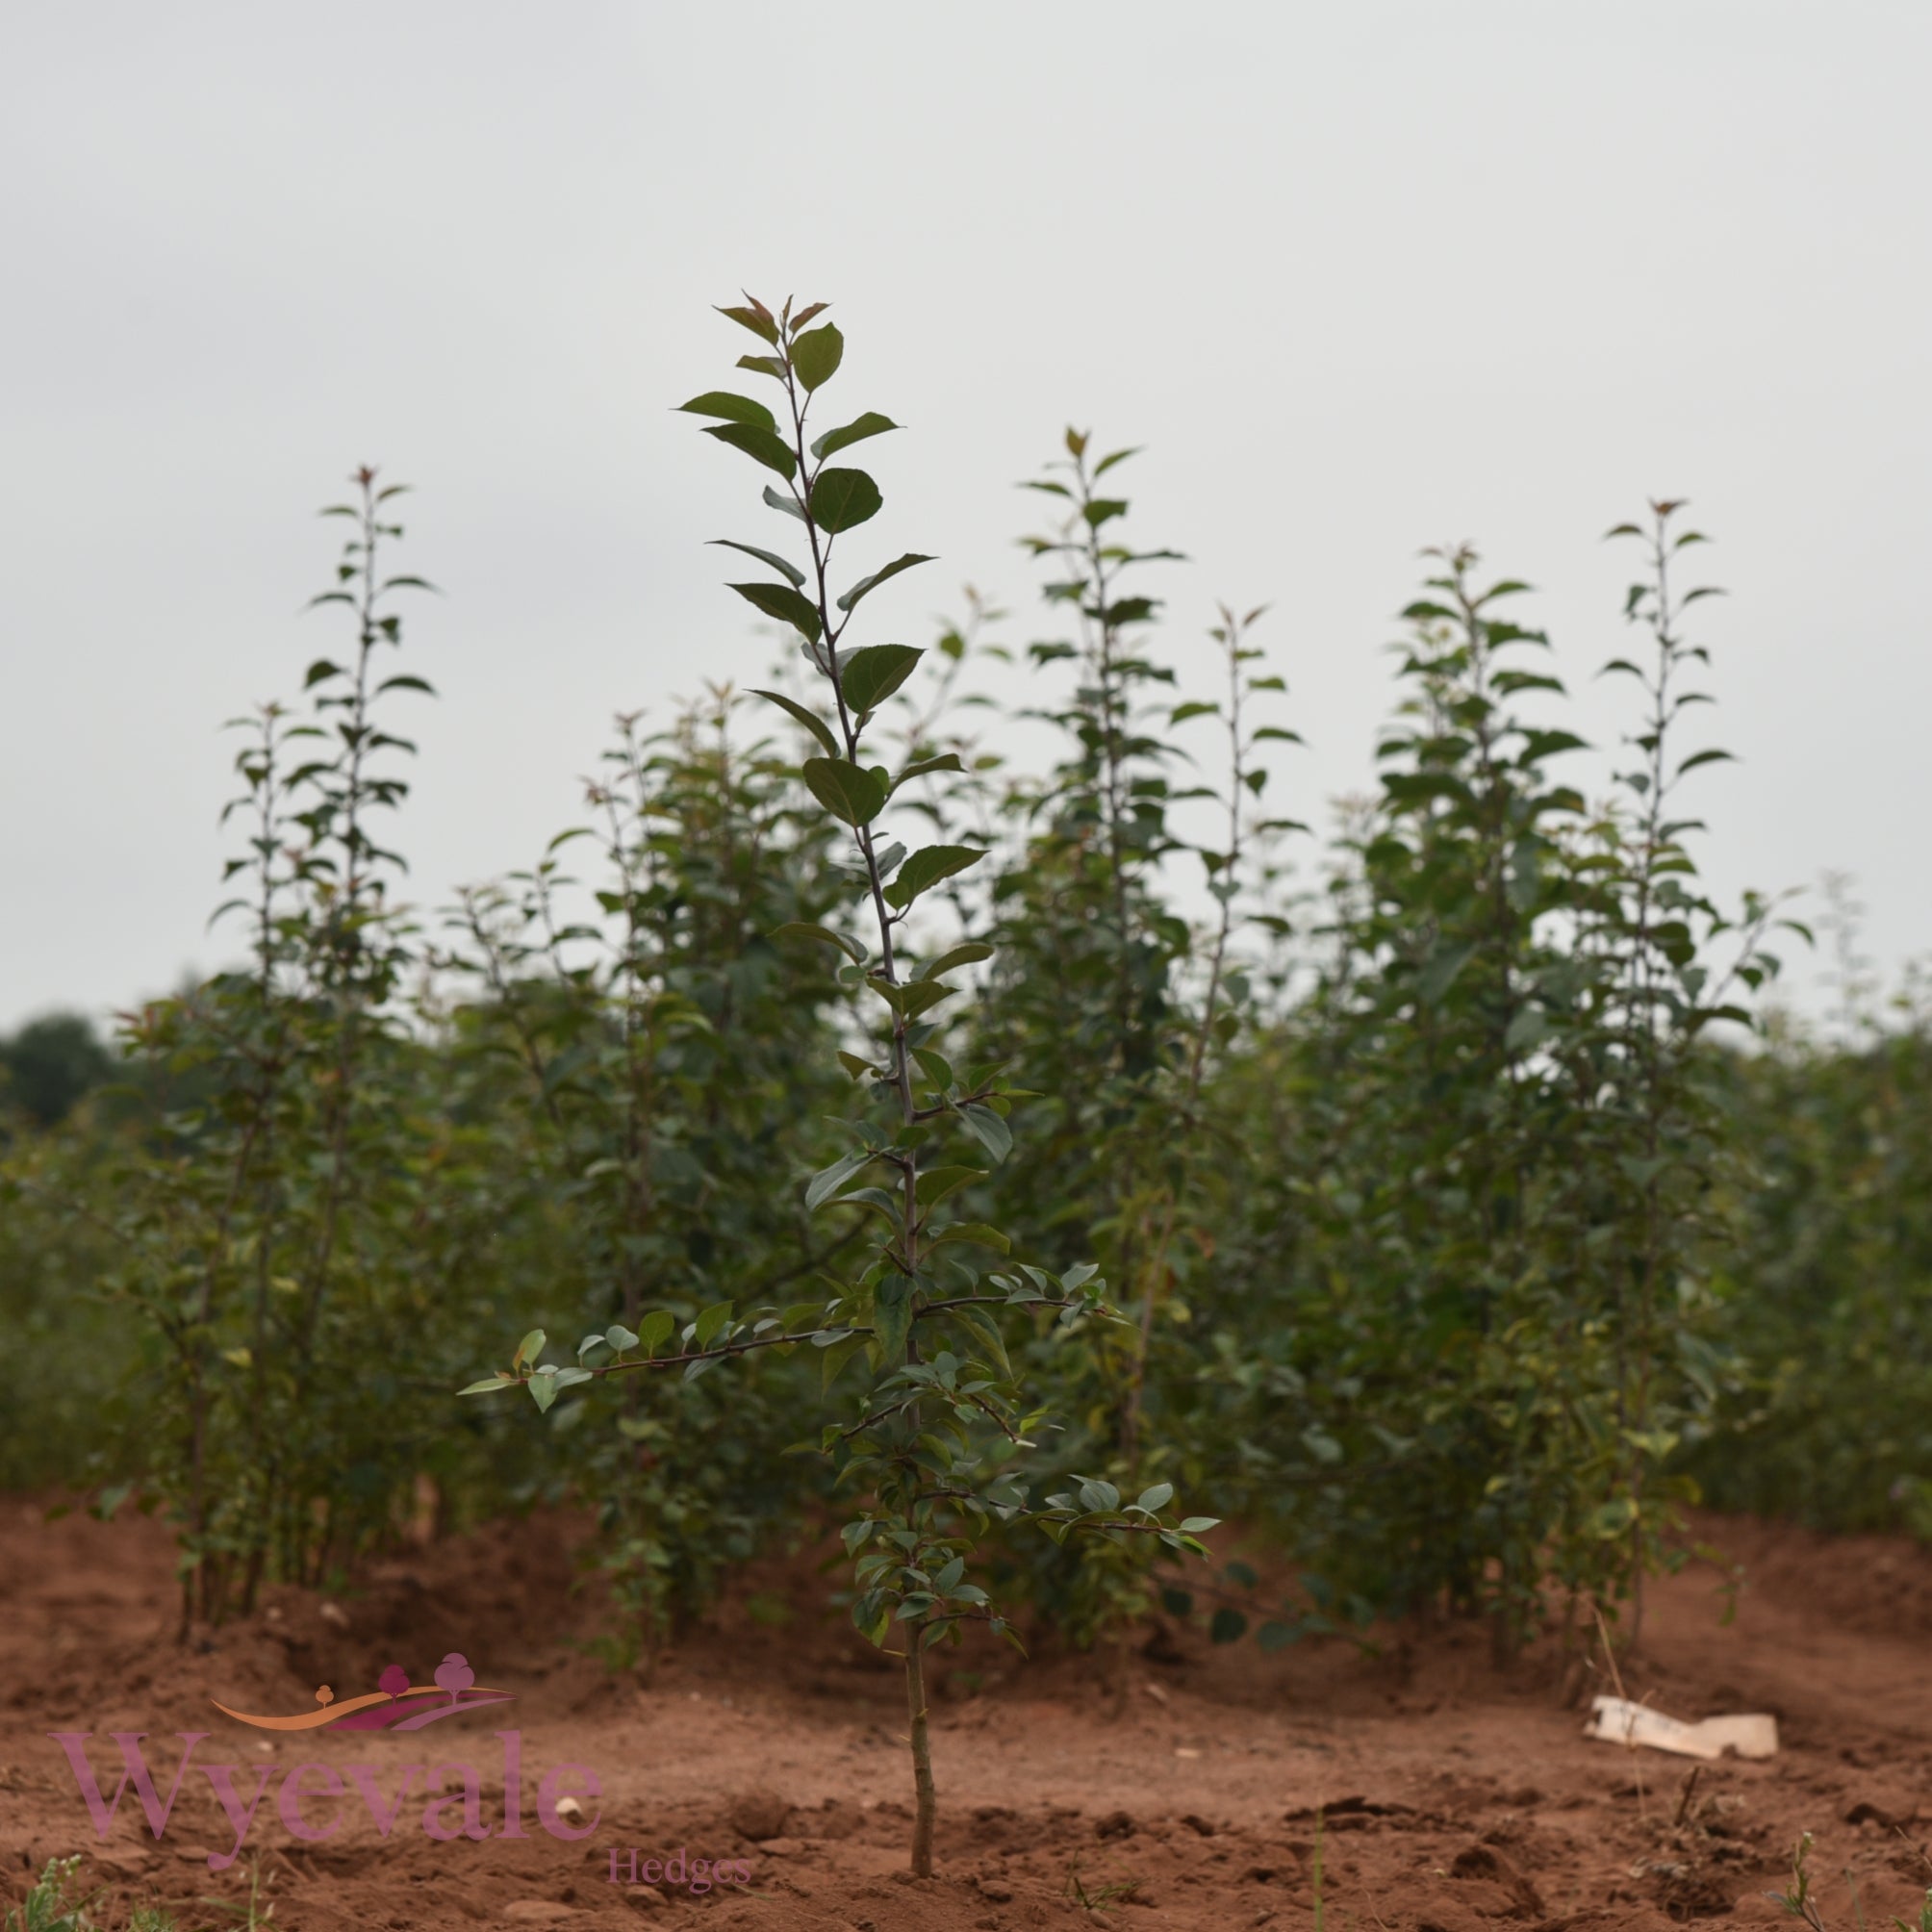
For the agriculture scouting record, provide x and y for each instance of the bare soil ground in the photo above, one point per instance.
(1436, 1791)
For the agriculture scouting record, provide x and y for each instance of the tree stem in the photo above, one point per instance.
(926, 1800)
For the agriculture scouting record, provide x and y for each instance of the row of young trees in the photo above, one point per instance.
(1042, 1159)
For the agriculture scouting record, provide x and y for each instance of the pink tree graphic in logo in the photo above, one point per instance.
(454, 1675)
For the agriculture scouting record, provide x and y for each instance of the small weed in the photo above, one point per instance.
(1101, 1899)
(50, 1906)
(1731, 1581)
(1798, 1902)
(254, 1913)
(1925, 1919)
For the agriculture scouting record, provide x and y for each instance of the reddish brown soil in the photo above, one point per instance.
(1448, 1796)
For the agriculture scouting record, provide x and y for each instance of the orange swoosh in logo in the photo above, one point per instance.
(398, 1704)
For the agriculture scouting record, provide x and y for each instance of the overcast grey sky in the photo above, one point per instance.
(1362, 278)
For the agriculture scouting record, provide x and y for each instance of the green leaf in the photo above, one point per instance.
(620, 1337)
(972, 1231)
(1227, 1626)
(780, 602)
(870, 677)
(988, 1129)
(543, 1387)
(494, 1382)
(763, 445)
(985, 1331)
(655, 1330)
(1697, 758)
(892, 1317)
(1156, 1499)
(1195, 1525)
(937, 1183)
(946, 761)
(757, 318)
(911, 999)
(782, 565)
(969, 954)
(834, 1358)
(803, 929)
(1538, 745)
(710, 1322)
(817, 354)
(925, 869)
(732, 408)
(841, 500)
(528, 1348)
(871, 423)
(807, 716)
(1527, 1030)
(847, 791)
(878, 577)
(1438, 974)
(827, 1180)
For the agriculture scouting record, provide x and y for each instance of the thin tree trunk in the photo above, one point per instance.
(926, 1800)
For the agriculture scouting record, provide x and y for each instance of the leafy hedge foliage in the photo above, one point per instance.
(1454, 1228)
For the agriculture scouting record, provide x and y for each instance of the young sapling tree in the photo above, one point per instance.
(931, 1446)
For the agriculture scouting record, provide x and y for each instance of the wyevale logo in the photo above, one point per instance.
(311, 1798)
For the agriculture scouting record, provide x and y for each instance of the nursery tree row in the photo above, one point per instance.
(1058, 1155)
